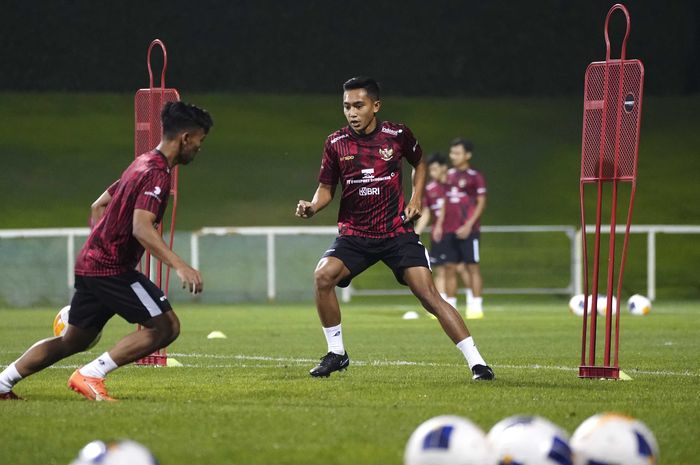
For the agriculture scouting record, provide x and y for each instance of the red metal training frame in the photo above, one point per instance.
(148, 128)
(612, 108)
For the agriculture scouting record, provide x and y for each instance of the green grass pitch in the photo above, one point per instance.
(248, 399)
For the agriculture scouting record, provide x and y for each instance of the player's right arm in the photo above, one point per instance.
(322, 197)
(327, 180)
(146, 233)
(440, 219)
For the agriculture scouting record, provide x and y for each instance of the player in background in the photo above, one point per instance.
(106, 281)
(374, 223)
(445, 220)
(468, 188)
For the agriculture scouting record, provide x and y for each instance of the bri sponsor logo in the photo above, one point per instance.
(365, 191)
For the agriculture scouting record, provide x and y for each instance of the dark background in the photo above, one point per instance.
(471, 48)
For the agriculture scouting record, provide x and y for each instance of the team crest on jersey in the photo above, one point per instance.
(462, 183)
(386, 154)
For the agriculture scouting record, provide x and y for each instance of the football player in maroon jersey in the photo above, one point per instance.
(468, 188)
(106, 281)
(374, 222)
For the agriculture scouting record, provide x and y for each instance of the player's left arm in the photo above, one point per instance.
(413, 208)
(466, 229)
(98, 207)
(414, 156)
(144, 230)
(478, 209)
(480, 200)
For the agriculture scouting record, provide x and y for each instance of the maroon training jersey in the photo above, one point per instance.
(435, 197)
(368, 168)
(111, 248)
(464, 187)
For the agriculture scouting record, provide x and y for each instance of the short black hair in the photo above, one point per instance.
(180, 116)
(466, 144)
(363, 82)
(436, 157)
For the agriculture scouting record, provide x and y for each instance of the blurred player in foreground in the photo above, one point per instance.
(445, 218)
(106, 282)
(373, 222)
(467, 187)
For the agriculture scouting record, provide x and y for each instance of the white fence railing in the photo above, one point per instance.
(271, 251)
(651, 230)
(568, 231)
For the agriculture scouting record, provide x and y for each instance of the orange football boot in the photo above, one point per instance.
(90, 388)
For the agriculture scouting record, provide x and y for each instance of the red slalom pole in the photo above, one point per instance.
(613, 92)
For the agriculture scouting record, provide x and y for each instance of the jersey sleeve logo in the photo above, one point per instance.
(155, 194)
(386, 154)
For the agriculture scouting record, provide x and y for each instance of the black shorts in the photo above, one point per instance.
(398, 253)
(441, 251)
(452, 249)
(130, 295)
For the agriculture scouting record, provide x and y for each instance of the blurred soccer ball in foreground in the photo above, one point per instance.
(639, 305)
(60, 324)
(529, 440)
(613, 439)
(448, 440)
(115, 453)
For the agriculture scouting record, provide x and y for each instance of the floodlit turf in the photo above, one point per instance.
(248, 399)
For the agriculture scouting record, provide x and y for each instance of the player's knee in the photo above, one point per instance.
(171, 332)
(323, 279)
(174, 330)
(72, 344)
(430, 299)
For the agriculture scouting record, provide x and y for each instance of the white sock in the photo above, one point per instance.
(443, 295)
(8, 378)
(476, 304)
(334, 338)
(470, 352)
(470, 296)
(452, 301)
(99, 367)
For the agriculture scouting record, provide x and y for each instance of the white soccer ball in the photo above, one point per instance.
(116, 453)
(613, 439)
(576, 305)
(639, 305)
(448, 440)
(529, 440)
(60, 325)
(603, 304)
